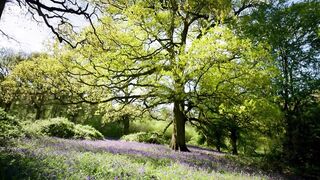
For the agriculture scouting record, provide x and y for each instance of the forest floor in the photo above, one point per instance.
(55, 158)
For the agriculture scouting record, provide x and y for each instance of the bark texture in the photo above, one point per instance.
(126, 124)
(234, 139)
(178, 141)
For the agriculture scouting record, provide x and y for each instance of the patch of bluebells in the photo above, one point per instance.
(198, 158)
(131, 160)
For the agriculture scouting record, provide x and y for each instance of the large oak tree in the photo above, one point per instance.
(162, 50)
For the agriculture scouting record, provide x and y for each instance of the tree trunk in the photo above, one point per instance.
(38, 112)
(7, 107)
(126, 117)
(288, 144)
(178, 141)
(2, 5)
(55, 111)
(126, 124)
(73, 117)
(218, 148)
(218, 145)
(234, 139)
(289, 149)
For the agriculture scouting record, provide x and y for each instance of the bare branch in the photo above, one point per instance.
(8, 36)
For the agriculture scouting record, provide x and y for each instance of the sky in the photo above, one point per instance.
(29, 35)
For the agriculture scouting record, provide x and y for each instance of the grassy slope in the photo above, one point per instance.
(52, 158)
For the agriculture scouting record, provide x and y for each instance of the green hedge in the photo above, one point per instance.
(60, 127)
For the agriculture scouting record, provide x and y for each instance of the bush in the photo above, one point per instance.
(60, 127)
(147, 137)
(9, 127)
(87, 132)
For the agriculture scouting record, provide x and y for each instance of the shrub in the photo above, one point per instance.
(87, 132)
(60, 127)
(57, 127)
(9, 127)
(147, 137)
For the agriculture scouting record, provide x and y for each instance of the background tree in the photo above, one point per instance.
(121, 111)
(8, 59)
(234, 96)
(26, 84)
(293, 34)
(39, 84)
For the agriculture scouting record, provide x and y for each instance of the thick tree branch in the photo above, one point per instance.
(2, 5)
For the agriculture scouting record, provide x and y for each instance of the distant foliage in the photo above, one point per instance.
(61, 127)
(147, 137)
(110, 129)
(148, 125)
(9, 127)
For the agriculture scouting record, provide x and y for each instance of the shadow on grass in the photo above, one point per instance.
(22, 165)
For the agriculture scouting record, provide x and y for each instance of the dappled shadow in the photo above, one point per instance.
(23, 164)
